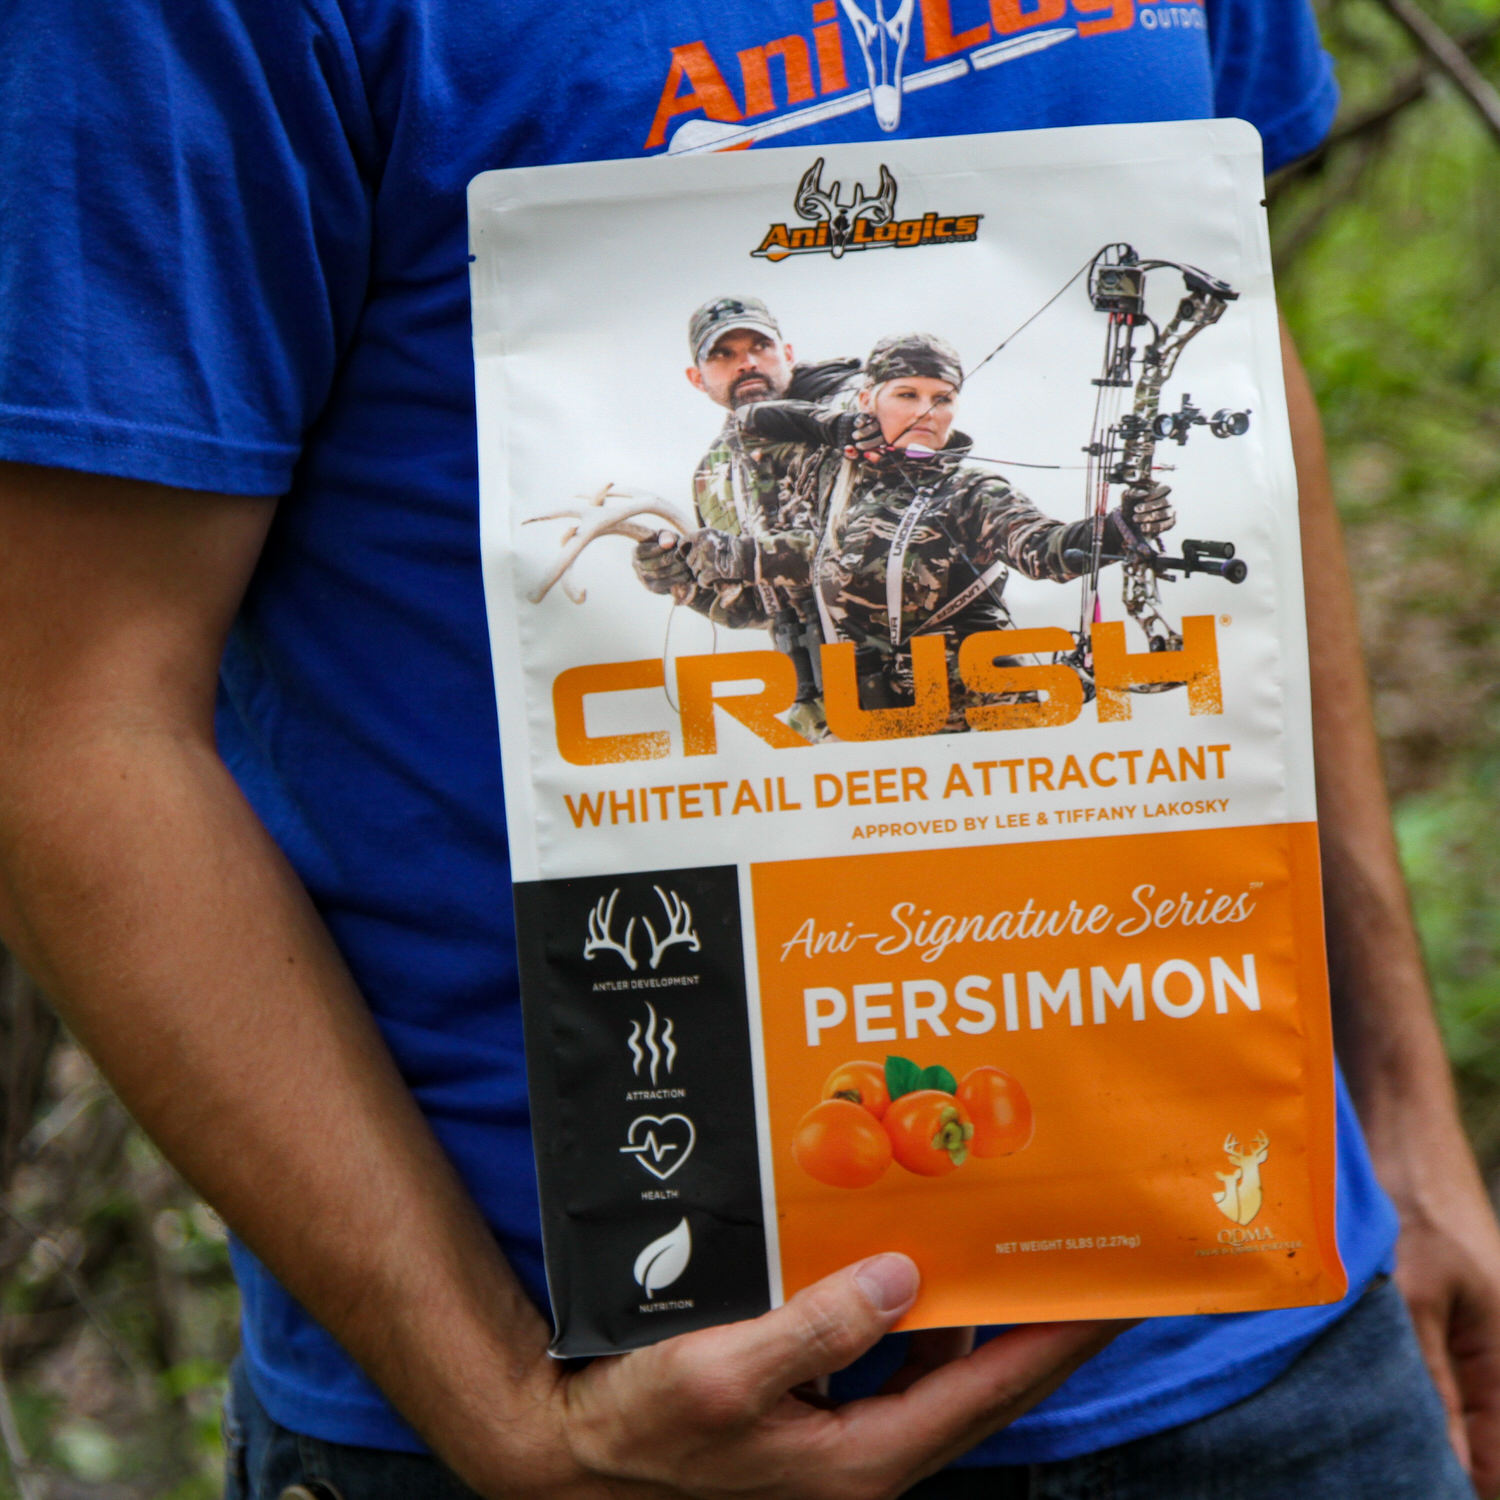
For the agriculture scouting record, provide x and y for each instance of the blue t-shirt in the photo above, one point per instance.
(233, 258)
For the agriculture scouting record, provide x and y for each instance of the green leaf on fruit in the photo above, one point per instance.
(938, 1077)
(902, 1076)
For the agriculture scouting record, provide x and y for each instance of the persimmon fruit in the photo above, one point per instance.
(841, 1144)
(1000, 1110)
(861, 1083)
(930, 1132)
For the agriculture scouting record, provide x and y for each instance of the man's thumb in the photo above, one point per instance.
(827, 1325)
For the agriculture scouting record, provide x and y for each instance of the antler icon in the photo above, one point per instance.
(599, 939)
(811, 201)
(680, 930)
(1259, 1148)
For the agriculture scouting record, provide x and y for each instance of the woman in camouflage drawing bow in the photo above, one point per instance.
(887, 527)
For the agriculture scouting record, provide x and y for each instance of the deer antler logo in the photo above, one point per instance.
(812, 202)
(1241, 1197)
(679, 929)
(866, 221)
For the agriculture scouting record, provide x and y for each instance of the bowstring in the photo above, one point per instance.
(1015, 333)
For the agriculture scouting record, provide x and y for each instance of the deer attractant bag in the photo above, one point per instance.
(911, 805)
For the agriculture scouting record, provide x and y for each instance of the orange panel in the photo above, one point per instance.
(1161, 1000)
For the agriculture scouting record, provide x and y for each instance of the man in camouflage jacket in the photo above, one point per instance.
(739, 359)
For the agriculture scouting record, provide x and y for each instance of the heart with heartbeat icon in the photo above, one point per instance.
(660, 1143)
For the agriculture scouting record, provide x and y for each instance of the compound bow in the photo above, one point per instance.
(1122, 445)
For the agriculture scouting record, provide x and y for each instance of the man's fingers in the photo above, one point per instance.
(826, 1326)
(1430, 1320)
(1474, 1345)
(928, 1350)
(1479, 1424)
(657, 546)
(1148, 510)
(706, 1396)
(659, 1408)
(1061, 1348)
(949, 1410)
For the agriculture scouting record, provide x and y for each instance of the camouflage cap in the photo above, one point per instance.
(720, 314)
(914, 354)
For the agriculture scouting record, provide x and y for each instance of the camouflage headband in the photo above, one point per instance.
(914, 354)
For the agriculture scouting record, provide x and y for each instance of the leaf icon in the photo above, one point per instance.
(664, 1260)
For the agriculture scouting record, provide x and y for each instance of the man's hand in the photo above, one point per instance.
(1449, 1271)
(139, 887)
(1147, 510)
(661, 564)
(714, 1413)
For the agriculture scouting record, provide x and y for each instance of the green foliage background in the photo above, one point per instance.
(116, 1310)
(1388, 253)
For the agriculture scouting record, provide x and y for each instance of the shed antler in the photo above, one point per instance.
(598, 518)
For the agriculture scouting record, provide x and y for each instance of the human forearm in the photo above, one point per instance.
(144, 893)
(189, 960)
(794, 422)
(138, 884)
(1386, 1031)
(1390, 1047)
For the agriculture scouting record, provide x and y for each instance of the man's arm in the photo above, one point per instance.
(141, 890)
(1387, 1036)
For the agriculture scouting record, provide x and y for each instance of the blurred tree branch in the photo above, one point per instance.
(1410, 87)
(1449, 56)
(21, 1470)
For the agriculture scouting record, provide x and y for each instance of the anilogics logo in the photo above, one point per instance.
(866, 221)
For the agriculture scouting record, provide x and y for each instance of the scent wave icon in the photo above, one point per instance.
(652, 1047)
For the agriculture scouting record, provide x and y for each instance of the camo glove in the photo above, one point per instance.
(662, 565)
(858, 434)
(1146, 509)
(718, 557)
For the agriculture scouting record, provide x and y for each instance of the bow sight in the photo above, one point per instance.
(1175, 425)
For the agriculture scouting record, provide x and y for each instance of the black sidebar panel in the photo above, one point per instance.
(638, 1061)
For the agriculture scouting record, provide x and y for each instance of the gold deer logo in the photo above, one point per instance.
(1241, 1197)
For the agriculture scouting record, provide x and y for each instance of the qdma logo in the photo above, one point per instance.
(1241, 1197)
(837, 226)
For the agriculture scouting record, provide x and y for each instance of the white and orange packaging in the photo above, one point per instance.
(1017, 966)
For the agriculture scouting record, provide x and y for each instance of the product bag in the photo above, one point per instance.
(912, 850)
